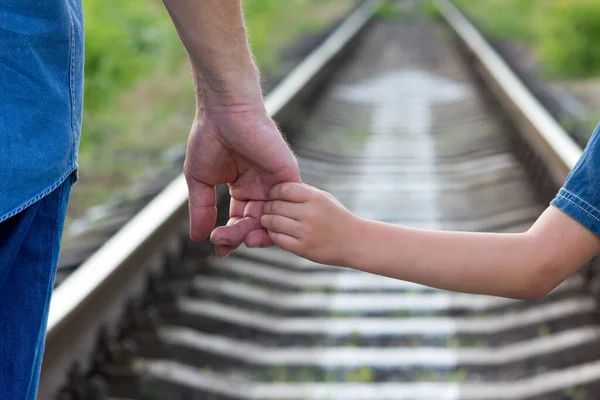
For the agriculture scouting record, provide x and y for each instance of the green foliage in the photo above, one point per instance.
(592, 122)
(460, 375)
(564, 33)
(269, 22)
(504, 18)
(127, 40)
(363, 374)
(570, 37)
(429, 9)
(389, 10)
(575, 393)
(545, 330)
(124, 40)
(139, 97)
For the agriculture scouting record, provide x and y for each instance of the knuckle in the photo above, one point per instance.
(275, 209)
(275, 191)
(187, 171)
(278, 207)
(277, 223)
(285, 190)
(265, 221)
(278, 240)
(267, 209)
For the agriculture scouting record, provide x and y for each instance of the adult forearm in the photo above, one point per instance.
(214, 36)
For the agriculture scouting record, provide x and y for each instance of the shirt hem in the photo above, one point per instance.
(40, 195)
(579, 209)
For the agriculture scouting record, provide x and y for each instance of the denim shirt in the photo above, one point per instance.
(41, 96)
(580, 195)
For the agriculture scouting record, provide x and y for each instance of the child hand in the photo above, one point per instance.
(310, 223)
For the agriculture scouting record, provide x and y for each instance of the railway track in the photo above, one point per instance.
(394, 119)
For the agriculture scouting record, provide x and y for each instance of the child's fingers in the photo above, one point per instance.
(290, 191)
(279, 224)
(284, 208)
(284, 241)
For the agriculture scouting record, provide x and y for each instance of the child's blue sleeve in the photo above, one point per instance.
(580, 195)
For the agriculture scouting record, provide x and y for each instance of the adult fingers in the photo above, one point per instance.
(234, 236)
(235, 232)
(283, 208)
(290, 191)
(279, 224)
(257, 238)
(236, 208)
(254, 209)
(223, 250)
(202, 207)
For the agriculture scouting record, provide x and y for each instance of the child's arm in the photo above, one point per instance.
(312, 224)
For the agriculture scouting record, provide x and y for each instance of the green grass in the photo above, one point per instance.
(139, 97)
(272, 23)
(363, 374)
(124, 40)
(429, 9)
(503, 18)
(390, 10)
(565, 34)
(460, 375)
(569, 37)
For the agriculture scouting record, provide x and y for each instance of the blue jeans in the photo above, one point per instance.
(29, 246)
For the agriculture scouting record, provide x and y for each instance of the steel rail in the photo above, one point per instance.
(542, 131)
(559, 153)
(80, 303)
(78, 306)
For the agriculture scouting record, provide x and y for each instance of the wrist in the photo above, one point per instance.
(241, 118)
(356, 246)
(228, 88)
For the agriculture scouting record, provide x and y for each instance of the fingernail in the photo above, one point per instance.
(221, 242)
(221, 254)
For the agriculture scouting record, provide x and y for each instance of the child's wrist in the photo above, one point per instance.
(354, 247)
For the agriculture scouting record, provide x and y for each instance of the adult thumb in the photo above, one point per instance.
(202, 207)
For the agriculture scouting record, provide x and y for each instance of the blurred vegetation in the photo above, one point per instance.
(564, 33)
(570, 37)
(138, 92)
(126, 40)
(123, 41)
(273, 23)
(429, 9)
(390, 10)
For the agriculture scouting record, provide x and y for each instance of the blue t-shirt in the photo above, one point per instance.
(580, 195)
(41, 96)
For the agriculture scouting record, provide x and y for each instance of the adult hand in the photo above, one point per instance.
(242, 147)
